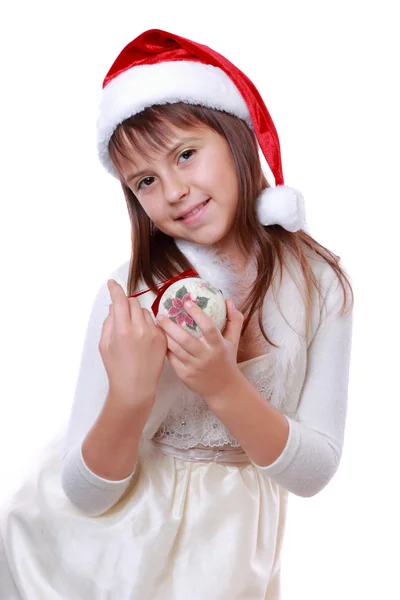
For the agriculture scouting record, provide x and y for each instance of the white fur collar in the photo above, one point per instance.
(212, 267)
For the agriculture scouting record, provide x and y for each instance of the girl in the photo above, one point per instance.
(180, 452)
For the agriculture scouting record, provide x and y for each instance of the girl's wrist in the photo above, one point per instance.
(135, 404)
(225, 391)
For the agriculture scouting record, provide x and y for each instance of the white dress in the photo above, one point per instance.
(197, 520)
(195, 523)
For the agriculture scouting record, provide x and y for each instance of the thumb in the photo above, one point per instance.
(234, 323)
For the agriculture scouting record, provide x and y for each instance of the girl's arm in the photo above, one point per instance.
(301, 455)
(100, 449)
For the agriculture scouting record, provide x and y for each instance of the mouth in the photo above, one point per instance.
(194, 214)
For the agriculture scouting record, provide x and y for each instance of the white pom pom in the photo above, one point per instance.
(283, 206)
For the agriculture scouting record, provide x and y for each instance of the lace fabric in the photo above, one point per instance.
(190, 423)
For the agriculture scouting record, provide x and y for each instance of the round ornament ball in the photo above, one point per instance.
(209, 298)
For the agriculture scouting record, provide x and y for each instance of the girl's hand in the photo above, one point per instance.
(206, 365)
(132, 348)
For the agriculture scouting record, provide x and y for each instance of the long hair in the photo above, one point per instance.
(155, 255)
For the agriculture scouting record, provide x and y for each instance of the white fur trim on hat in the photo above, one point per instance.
(167, 82)
(282, 205)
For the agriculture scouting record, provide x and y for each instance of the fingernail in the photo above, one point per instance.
(160, 317)
(188, 304)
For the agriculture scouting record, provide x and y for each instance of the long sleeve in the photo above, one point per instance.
(87, 491)
(314, 446)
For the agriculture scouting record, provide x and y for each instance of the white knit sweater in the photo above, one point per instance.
(313, 396)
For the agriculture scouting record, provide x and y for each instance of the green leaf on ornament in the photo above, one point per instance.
(173, 319)
(202, 302)
(192, 327)
(181, 292)
(167, 304)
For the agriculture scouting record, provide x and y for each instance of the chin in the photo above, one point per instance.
(204, 238)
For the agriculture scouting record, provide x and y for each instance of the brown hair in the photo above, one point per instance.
(155, 254)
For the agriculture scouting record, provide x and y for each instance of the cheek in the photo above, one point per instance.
(151, 208)
(209, 174)
(218, 170)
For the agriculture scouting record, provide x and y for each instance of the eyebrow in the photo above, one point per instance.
(170, 151)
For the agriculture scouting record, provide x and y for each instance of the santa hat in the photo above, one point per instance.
(158, 68)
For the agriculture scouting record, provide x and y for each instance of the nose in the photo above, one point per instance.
(175, 187)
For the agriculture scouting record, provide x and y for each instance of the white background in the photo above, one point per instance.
(328, 73)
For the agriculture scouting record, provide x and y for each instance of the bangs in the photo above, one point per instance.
(151, 130)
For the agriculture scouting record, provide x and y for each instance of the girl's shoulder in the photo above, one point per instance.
(334, 280)
(332, 283)
(323, 269)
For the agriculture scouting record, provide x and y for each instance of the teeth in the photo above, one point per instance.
(194, 211)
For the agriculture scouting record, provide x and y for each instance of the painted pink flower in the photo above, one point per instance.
(177, 310)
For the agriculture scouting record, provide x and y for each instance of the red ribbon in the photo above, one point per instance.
(164, 286)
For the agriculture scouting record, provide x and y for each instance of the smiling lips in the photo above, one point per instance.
(195, 210)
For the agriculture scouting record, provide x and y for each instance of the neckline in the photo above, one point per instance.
(251, 360)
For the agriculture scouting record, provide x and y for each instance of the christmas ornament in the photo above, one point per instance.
(199, 291)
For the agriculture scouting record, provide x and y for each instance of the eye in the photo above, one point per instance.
(186, 154)
(147, 181)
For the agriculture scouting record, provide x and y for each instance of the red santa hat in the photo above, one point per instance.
(159, 68)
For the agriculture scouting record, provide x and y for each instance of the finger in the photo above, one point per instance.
(126, 310)
(188, 342)
(138, 313)
(175, 363)
(148, 317)
(178, 351)
(209, 329)
(121, 310)
(234, 323)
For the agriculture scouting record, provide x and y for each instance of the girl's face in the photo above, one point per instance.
(197, 170)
